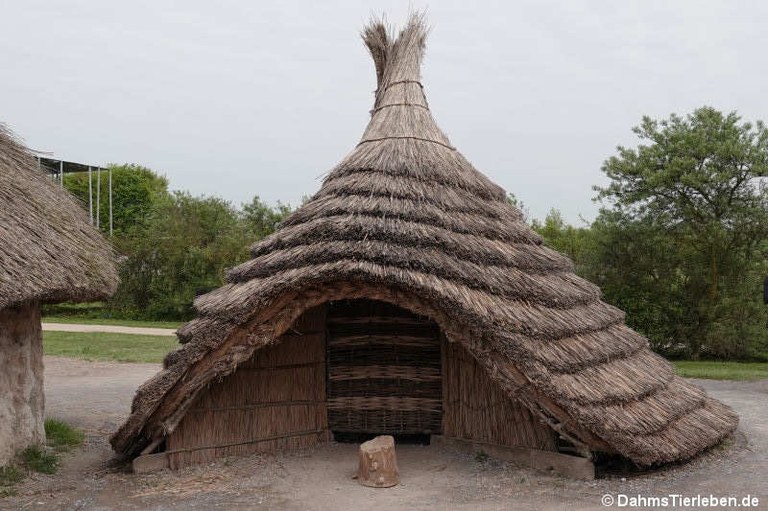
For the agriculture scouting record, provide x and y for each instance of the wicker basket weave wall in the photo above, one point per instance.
(384, 370)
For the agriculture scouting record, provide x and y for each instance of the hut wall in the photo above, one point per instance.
(383, 370)
(475, 408)
(276, 401)
(21, 380)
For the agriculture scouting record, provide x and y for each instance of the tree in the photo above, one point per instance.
(696, 187)
(575, 242)
(183, 250)
(135, 192)
(261, 219)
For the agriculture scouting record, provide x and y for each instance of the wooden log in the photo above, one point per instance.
(378, 463)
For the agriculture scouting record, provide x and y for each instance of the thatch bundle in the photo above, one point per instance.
(406, 219)
(48, 250)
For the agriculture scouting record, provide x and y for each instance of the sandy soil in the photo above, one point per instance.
(96, 397)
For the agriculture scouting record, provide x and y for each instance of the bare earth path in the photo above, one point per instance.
(111, 329)
(96, 397)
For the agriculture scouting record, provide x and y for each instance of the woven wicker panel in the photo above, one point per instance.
(402, 388)
(398, 422)
(384, 370)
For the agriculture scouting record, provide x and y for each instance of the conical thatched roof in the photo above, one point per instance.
(48, 250)
(406, 218)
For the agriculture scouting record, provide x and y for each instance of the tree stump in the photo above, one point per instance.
(378, 463)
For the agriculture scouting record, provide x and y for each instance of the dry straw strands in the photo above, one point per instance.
(48, 250)
(477, 409)
(275, 401)
(406, 219)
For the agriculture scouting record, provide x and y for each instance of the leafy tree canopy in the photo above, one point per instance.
(703, 173)
(685, 231)
(135, 192)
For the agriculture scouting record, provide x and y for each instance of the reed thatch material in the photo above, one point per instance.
(478, 409)
(48, 250)
(274, 401)
(406, 219)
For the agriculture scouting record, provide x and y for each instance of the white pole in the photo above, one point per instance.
(98, 198)
(110, 201)
(90, 194)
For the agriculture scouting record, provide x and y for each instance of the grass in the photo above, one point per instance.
(9, 476)
(107, 346)
(714, 370)
(110, 321)
(36, 458)
(7, 491)
(152, 349)
(95, 313)
(45, 459)
(61, 435)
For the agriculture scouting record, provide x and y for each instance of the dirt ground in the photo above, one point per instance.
(96, 396)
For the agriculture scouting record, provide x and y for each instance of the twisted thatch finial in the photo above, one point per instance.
(397, 58)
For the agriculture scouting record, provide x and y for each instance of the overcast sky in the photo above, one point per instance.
(243, 98)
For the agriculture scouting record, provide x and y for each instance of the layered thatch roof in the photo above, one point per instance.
(48, 250)
(406, 218)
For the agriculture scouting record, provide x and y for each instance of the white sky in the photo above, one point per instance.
(253, 97)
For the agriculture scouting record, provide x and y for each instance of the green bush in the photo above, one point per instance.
(183, 250)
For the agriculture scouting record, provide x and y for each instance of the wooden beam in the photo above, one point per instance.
(574, 467)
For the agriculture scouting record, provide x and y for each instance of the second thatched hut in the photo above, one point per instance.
(48, 253)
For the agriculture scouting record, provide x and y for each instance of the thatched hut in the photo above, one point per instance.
(409, 297)
(48, 253)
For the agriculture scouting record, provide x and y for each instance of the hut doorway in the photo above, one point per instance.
(384, 372)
